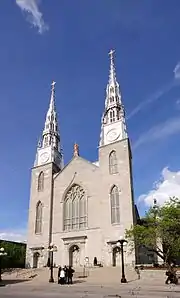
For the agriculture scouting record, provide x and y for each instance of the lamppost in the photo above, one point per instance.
(120, 243)
(52, 248)
(2, 253)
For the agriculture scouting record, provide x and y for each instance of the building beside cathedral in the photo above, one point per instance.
(82, 207)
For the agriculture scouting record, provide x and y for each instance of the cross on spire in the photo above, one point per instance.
(111, 54)
(53, 85)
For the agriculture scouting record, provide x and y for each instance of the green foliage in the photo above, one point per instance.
(16, 253)
(159, 228)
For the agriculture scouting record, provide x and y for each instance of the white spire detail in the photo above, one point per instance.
(49, 145)
(113, 125)
(50, 132)
(112, 72)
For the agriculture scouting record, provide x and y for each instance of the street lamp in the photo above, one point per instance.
(120, 244)
(2, 253)
(52, 248)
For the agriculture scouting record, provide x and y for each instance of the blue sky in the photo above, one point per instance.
(68, 41)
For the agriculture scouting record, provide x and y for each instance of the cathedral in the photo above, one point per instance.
(83, 207)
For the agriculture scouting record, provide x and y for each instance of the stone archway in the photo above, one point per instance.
(36, 256)
(74, 256)
(116, 256)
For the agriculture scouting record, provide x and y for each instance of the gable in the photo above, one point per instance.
(78, 165)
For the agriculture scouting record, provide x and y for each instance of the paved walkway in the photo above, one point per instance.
(85, 290)
(100, 284)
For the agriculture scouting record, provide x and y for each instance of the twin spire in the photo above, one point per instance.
(50, 136)
(113, 127)
(113, 117)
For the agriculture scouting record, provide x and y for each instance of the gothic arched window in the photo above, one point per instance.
(114, 196)
(113, 165)
(38, 223)
(41, 182)
(111, 99)
(75, 209)
(45, 141)
(112, 116)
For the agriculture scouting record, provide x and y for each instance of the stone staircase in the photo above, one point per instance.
(110, 275)
(94, 275)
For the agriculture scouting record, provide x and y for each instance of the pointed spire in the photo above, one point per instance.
(112, 71)
(52, 101)
(114, 114)
(49, 144)
(50, 132)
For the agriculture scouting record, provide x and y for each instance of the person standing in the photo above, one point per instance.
(59, 271)
(137, 271)
(70, 274)
(66, 274)
(62, 276)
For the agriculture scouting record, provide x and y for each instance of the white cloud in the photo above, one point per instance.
(177, 71)
(13, 235)
(34, 16)
(159, 131)
(168, 186)
(159, 93)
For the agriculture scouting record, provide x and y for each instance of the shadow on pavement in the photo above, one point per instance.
(13, 281)
(78, 281)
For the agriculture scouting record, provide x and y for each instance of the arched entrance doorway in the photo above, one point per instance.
(74, 256)
(36, 256)
(116, 256)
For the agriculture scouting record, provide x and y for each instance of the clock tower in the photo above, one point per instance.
(113, 127)
(49, 149)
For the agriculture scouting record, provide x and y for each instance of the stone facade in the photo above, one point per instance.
(91, 227)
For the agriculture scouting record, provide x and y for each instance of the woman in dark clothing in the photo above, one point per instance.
(59, 270)
(70, 272)
(66, 274)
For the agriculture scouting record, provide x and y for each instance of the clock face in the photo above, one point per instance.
(112, 135)
(44, 157)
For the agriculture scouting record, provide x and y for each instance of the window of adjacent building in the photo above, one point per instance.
(41, 182)
(113, 165)
(38, 223)
(115, 213)
(75, 209)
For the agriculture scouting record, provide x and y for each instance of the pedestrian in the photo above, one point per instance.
(137, 271)
(70, 274)
(95, 261)
(59, 271)
(171, 275)
(62, 276)
(66, 274)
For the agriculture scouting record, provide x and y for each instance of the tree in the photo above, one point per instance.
(15, 254)
(159, 231)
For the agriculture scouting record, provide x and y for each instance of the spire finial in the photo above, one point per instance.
(112, 74)
(52, 94)
(76, 149)
(111, 54)
(53, 84)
